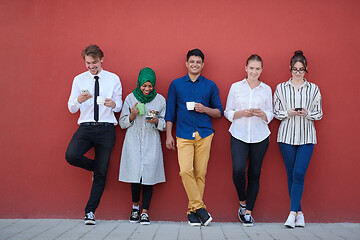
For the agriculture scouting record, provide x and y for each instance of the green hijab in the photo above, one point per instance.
(145, 75)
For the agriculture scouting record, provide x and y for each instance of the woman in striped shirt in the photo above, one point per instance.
(297, 103)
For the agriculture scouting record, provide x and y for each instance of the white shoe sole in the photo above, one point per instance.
(89, 222)
(208, 221)
(288, 225)
(194, 224)
(145, 223)
(248, 224)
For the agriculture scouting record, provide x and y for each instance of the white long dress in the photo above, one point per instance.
(141, 156)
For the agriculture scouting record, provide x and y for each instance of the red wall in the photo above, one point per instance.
(41, 43)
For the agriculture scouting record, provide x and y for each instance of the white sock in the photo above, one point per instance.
(136, 207)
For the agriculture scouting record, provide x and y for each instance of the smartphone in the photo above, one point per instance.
(85, 91)
(298, 109)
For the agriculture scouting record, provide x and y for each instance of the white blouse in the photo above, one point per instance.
(141, 155)
(241, 96)
(297, 130)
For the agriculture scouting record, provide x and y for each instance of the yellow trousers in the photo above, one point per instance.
(193, 156)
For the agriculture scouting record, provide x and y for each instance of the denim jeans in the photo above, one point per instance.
(296, 159)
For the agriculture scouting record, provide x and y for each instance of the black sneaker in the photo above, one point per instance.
(89, 218)
(135, 216)
(193, 220)
(241, 213)
(144, 219)
(249, 221)
(204, 216)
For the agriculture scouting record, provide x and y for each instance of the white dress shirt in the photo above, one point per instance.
(297, 130)
(241, 96)
(109, 86)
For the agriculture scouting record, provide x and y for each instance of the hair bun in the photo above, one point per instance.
(299, 52)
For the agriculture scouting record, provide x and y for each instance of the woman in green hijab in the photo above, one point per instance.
(141, 157)
(146, 78)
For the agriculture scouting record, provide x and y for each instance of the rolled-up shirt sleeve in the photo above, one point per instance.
(162, 124)
(117, 95)
(171, 104)
(315, 112)
(124, 120)
(73, 104)
(215, 101)
(269, 107)
(230, 105)
(280, 111)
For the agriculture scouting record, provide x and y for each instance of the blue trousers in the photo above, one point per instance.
(296, 159)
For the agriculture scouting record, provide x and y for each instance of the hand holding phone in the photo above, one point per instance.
(298, 109)
(84, 96)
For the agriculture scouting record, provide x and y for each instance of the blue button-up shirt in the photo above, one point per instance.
(184, 90)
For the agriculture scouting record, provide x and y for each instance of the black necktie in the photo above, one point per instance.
(96, 107)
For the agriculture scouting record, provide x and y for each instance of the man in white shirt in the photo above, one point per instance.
(97, 93)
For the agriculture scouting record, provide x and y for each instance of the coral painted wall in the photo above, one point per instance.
(41, 42)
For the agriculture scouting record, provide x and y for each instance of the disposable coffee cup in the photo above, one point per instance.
(190, 105)
(141, 108)
(100, 100)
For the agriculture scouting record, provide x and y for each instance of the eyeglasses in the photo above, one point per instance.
(301, 70)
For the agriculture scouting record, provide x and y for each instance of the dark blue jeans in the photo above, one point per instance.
(102, 139)
(296, 159)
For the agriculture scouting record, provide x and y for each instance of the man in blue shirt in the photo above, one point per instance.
(192, 101)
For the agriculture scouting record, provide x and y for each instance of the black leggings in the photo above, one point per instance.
(240, 151)
(146, 194)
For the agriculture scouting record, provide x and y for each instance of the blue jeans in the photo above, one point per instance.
(296, 159)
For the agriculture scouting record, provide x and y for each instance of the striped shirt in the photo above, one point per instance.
(297, 130)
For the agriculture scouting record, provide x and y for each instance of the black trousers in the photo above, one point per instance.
(102, 138)
(146, 194)
(240, 151)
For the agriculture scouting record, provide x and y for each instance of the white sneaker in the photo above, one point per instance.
(300, 220)
(290, 222)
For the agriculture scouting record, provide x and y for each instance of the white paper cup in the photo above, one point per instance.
(100, 100)
(190, 105)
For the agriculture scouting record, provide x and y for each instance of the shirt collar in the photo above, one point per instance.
(306, 83)
(100, 74)
(260, 85)
(187, 78)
